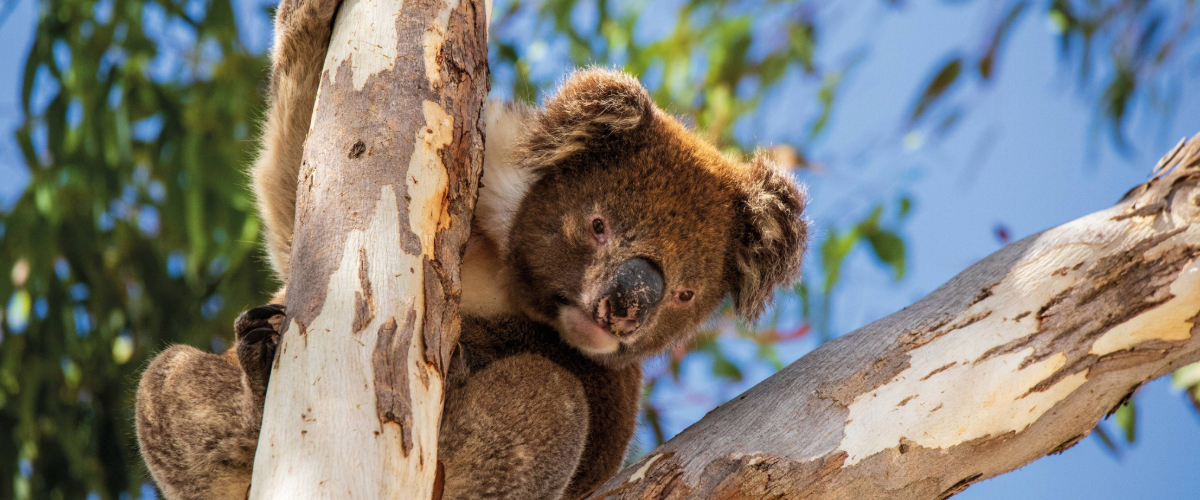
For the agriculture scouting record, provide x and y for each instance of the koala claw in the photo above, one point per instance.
(257, 332)
(256, 317)
(267, 336)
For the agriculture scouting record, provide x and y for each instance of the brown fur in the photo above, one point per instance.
(197, 451)
(302, 31)
(529, 413)
(543, 370)
(716, 226)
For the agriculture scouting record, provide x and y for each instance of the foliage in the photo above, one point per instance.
(1125, 418)
(136, 230)
(1188, 379)
(885, 244)
(709, 64)
(1130, 51)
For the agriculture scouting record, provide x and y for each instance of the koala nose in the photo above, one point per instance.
(636, 288)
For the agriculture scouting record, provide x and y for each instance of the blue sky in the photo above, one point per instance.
(1041, 170)
(1040, 173)
(1044, 168)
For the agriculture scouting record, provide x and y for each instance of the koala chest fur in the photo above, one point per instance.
(604, 421)
(496, 332)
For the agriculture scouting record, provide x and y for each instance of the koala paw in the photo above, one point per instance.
(257, 332)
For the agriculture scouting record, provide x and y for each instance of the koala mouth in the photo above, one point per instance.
(581, 331)
(617, 325)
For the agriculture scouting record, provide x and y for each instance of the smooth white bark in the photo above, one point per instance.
(321, 435)
(384, 201)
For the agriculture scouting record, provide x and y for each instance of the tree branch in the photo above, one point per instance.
(1015, 358)
(387, 189)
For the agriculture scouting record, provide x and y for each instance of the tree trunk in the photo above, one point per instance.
(386, 193)
(1017, 357)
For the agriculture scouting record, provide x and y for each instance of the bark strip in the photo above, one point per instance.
(1015, 358)
(386, 192)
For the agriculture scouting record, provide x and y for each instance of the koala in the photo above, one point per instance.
(605, 232)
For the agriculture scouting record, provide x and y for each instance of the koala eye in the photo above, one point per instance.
(599, 230)
(685, 295)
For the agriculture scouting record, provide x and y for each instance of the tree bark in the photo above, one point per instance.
(386, 192)
(1015, 358)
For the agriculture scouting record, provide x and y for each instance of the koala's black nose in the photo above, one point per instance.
(635, 289)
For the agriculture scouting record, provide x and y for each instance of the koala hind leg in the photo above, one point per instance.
(198, 413)
(196, 424)
(514, 430)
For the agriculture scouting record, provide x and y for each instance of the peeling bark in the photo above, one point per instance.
(386, 192)
(1015, 358)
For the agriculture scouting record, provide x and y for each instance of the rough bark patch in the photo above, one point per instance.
(1115, 289)
(391, 376)
(939, 370)
(437, 323)
(364, 299)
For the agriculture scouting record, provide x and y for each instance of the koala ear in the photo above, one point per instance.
(774, 236)
(592, 104)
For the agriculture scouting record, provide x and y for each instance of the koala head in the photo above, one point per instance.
(634, 229)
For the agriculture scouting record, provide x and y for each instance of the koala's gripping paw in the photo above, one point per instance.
(257, 332)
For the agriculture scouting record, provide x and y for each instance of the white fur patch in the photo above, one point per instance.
(485, 282)
(504, 183)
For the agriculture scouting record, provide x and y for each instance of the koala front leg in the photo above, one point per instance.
(198, 414)
(302, 31)
(514, 430)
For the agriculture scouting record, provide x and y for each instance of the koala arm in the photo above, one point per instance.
(198, 414)
(514, 430)
(302, 31)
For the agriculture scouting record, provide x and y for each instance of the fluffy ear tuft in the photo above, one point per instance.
(774, 236)
(591, 105)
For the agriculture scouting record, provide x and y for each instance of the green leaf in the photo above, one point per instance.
(943, 80)
(654, 420)
(771, 355)
(1186, 377)
(825, 96)
(889, 249)
(833, 252)
(999, 35)
(1116, 100)
(1059, 17)
(1126, 417)
(725, 369)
